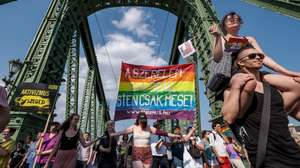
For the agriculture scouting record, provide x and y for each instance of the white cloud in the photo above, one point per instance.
(134, 21)
(122, 48)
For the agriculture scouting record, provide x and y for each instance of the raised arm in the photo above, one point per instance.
(126, 131)
(290, 91)
(163, 133)
(187, 137)
(217, 46)
(270, 63)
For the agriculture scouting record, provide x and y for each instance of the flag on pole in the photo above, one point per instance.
(186, 49)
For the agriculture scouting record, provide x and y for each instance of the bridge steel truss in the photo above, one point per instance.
(57, 43)
(286, 7)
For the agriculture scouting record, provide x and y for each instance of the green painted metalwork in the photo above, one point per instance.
(100, 118)
(48, 54)
(54, 42)
(93, 111)
(73, 76)
(286, 7)
(5, 1)
(85, 111)
(88, 47)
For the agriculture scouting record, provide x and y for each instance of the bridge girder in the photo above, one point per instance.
(286, 7)
(48, 54)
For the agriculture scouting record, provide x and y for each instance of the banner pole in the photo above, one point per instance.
(45, 128)
(197, 95)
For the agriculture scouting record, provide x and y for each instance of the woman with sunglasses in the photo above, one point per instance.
(243, 108)
(141, 150)
(66, 145)
(230, 26)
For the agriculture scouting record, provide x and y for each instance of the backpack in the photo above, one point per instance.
(220, 72)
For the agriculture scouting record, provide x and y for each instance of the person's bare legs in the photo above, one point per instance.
(147, 165)
(137, 164)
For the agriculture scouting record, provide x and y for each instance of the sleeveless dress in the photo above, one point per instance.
(282, 150)
(67, 152)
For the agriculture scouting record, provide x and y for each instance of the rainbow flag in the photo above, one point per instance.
(166, 92)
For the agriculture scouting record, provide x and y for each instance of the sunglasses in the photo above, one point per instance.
(234, 19)
(253, 56)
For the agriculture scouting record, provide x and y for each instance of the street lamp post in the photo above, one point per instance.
(14, 67)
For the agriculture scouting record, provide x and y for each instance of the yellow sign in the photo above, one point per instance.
(33, 101)
(34, 98)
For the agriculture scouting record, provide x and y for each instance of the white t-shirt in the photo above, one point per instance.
(83, 153)
(217, 142)
(188, 160)
(158, 151)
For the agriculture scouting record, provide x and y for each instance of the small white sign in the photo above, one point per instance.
(186, 49)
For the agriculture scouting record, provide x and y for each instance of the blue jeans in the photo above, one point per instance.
(177, 163)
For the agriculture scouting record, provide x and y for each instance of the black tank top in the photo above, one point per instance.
(282, 150)
(68, 143)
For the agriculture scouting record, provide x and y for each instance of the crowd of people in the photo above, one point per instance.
(144, 146)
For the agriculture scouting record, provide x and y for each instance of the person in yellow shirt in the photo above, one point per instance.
(7, 145)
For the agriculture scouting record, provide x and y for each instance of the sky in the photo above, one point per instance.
(144, 36)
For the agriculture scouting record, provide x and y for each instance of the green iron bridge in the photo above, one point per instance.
(57, 43)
